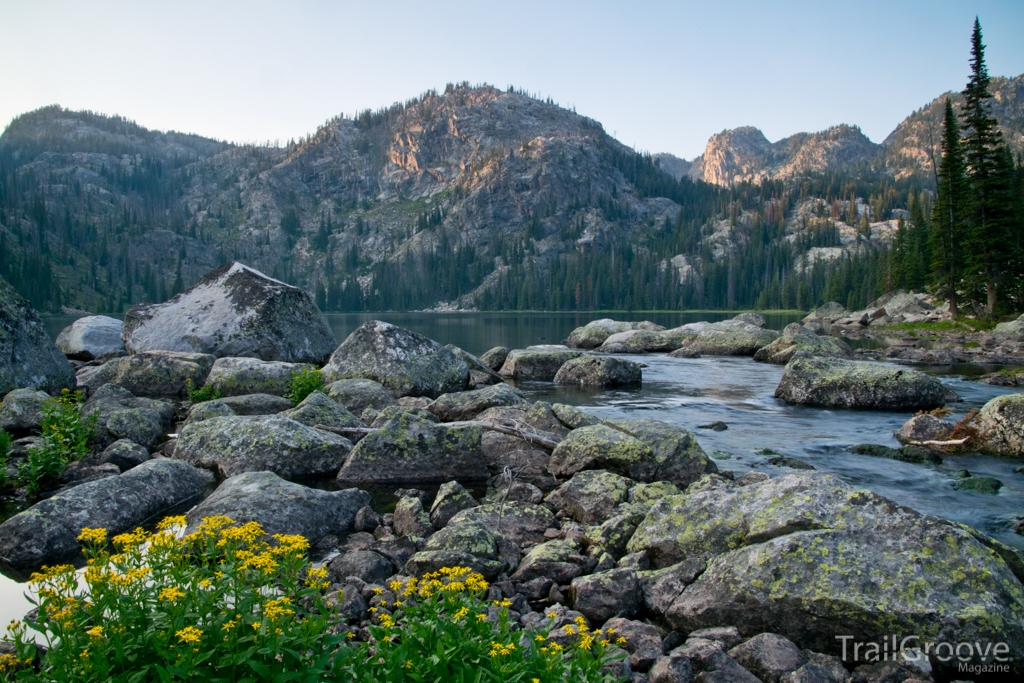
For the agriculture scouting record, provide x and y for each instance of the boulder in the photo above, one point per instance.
(494, 358)
(253, 443)
(806, 557)
(674, 667)
(198, 412)
(600, 447)
(256, 404)
(408, 449)
(404, 362)
(751, 318)
(318, 409)
(601, 596)
(901, 303)
(366, 565)
(590, 496)
(359, 394)
(830, 312)
(643, 641)
(923, 428)
(986, 485)
(22, 411)
(553, 560)
(1000, 425)
(594, 333)
(711, 664)
(47, 532)
(480, 374)
(642, 341)
(521, 522)
(235, 376)
(466, 405)
(538, 363)
(28, 359)
(768, 656)
(90, 337)
(451, 499)
(121, 415)
(599, 372)
(233, 311)
(798, 339)
(572, 417)
(153, 373)
(410, 519)
(678, 458)
(1012, 331)
(399, 411)
(837, 383)
(281, 507)
(727, 338)
(467, 544)
(125, 454)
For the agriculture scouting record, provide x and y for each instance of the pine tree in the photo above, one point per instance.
(948, 212)
(989, 179)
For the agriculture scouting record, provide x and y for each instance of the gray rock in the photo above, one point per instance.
(466, 405)
(233, 311)
(494, 358)
(829, 312)
(594, 333)
(678, 458)
(451, 499)
(256, 404)
(728, 636)
(553, 559)
(22, 411)
(768, 656)
(601, 447)
(610, 538)
(364, 564)
(47, 532)
(121, 415)
(661, 587)
(573, 417)
(858, 549)
(712, 664)
(643, 642)
(359, 394)
(233, 445)
(347, 602)
(411, 519)
(281, 507)
(590, 496)
(519, 521)
(727, 338)
(1012, 331)
(153, 373)
(198, 412)
(481, 374)
(987, 485)
(366, 519)
(839, 383)
(82, 471)
(90, 337)
(751, 318)
(235, 376)
(400, 411)
(28, 359)
(1000, 425)
(408, 449)
(538, 363)
(600, 372)
(599, 597)
(798, 339)
(125, 454)
(672, 668)
(923, 428)
(467, 544)
(812, 673)
(642, 341)
(404, 362)
(317, 408)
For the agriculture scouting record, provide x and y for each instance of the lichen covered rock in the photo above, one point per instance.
(594, 333)
(601, 447)
(408, 449)
(678, 458)
(152, 373)
(1000, 425)
(537, 363)
(518, 520)
(599, 372)
(234, 310)
(235, 376)
(727, 338)
(837, 383)
(590, 496)
(233, 445)
(121, 415)
(22, 411)
(404, 362)
(465, 405)
(798, 339)
(359, 394)
(318, 409)
(90, 337)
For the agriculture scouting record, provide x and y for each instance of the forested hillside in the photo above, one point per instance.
(470, 198)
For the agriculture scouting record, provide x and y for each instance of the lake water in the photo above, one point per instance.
(738, 392)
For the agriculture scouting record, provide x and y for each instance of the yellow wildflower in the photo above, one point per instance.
(171, 593)
(189, 634)
(98, 536)
(95, 632)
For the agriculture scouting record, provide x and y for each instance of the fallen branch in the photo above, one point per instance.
(530, 437)
(940, 444)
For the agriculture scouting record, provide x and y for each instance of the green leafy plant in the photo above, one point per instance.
(65, 438)
(5, 447)
(201, 394)
(303, 383)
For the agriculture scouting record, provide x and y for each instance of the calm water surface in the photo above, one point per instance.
(736, 391)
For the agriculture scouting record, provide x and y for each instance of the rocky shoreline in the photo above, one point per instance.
(626, 523)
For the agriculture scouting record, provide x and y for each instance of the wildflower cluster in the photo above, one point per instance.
(224, 602)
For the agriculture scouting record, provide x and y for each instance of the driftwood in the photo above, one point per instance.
(528, 436)
(940, 444)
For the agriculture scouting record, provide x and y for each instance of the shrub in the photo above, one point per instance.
(65, 438)
(201, 394)
(225, 603)
(304, 382)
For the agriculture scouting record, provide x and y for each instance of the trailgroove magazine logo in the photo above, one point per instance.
(968, 657)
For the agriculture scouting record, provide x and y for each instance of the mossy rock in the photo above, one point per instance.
(601, 447)
(590, 496)
(494, 358)
(519, 521)
(599, 372)
(798, 339)
(727, 338)
(121, 415)
(358, 394)
(208, 409)
(790, 462)
(317, 408)
(22, 411)
(987, 485)
(1000, 425)
(572, 417)
(914, 454)
(678, 457)
(238, 376)
(594, 333)
(256, 404)
(837, 383)
(538, 363)
(465, 405)
(553, 560)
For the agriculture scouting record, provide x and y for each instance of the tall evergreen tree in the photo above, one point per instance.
(948, 212)
(989, 179)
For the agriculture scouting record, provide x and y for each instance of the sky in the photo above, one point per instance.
(660, 76)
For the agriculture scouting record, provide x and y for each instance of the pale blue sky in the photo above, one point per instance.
(662, 76)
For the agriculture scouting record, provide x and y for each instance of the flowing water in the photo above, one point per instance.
(738, 392)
